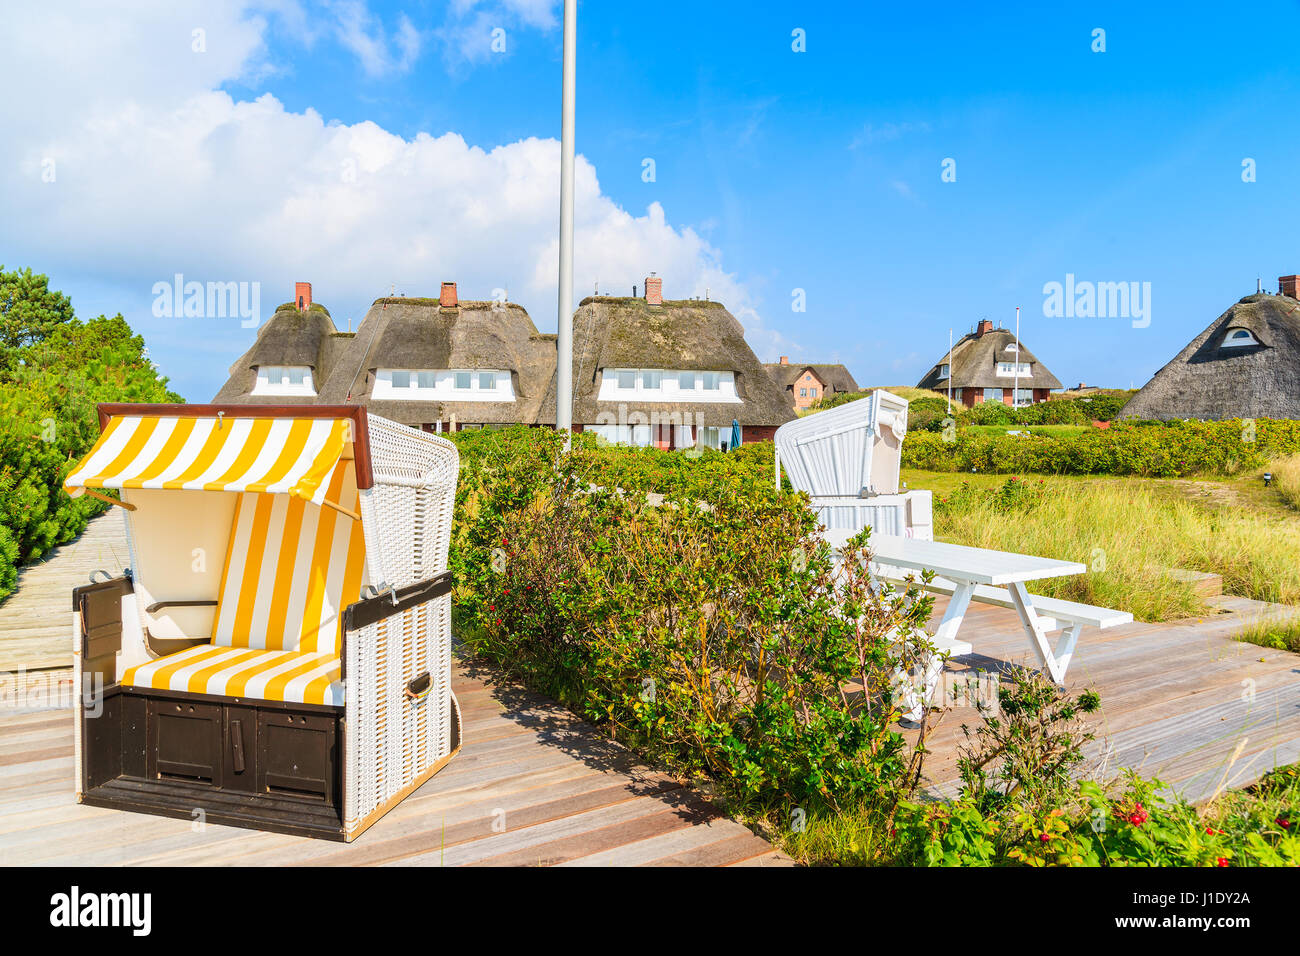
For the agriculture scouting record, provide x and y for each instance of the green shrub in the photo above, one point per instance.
(706, 631)
(927, 414)
(1145, 449)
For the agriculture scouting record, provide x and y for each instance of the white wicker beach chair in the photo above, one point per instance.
(236, 668)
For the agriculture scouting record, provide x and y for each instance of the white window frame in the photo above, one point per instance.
(274, 380)
(1233, 340)
(1008, 369)
(441, 385)
(666, 385)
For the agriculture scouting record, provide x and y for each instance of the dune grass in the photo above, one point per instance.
(1286, 479)
(1275, 635)
(1129, 534)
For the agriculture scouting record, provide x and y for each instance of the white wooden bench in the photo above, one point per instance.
(1057, 614)
(995, 577)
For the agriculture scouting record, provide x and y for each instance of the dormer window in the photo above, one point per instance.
(666, 385)
(1013, 347)
(444, 385)
(284, 380)
(944, 371)
(1238, 338)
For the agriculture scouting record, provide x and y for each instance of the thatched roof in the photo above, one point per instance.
(289, 337)
(1208, 381)
(417, 333)
(975, 360)
(686, 334)
(838, 377)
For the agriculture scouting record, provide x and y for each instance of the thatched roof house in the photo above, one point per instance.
(428, 361)
(295, 352)
(664, 372)
(983, 369)
(646, 371)
(806, 385)
(1246, 364)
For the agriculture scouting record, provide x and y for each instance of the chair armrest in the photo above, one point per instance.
(157, 606)
(372, 610)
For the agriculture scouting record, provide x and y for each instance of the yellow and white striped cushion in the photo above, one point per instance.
(290, 676)
(291, 568)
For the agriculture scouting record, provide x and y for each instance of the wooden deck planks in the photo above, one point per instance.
(35, 621)
(534, 784)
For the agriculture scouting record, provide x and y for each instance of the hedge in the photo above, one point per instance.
(1145, 449)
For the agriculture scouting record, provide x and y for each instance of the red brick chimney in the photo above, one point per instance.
(1289, 286)
(986, 325)
(447, 298)
(302, 295)
(785, 360)
(654, 290)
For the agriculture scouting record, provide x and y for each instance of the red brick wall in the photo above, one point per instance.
(807, 383)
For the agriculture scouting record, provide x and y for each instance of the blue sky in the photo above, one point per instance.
(775, 170)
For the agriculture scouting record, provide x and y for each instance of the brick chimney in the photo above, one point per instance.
(302, 295)
(1289, 286)
(985, 326)
(447, 298)
(654, 290)
(785, 360)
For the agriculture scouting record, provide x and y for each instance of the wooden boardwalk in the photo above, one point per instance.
(36, 620)
(1181, 701)
(533, 785)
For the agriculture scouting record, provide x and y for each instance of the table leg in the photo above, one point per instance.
(944, 636)
(1024, 603)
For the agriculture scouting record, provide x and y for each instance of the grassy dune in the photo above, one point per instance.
(1129, 534)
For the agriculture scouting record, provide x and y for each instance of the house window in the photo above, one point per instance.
(666, 385)
(283, 380)
(813, 392)
(803, 393)
(992, 394)
(445, 385)
(1008, 369)
(1013, 347)
(1024, 396)
(943, 371)
(956, 394)
(1236, 338)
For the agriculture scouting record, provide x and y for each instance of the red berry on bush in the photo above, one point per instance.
(1222, 861)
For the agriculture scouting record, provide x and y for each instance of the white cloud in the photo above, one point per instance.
(359, 30)
(159, 172)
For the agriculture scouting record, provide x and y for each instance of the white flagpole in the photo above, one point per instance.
(1015, 391)
(950, 371)
(564, 327)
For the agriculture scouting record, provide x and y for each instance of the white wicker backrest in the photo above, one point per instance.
(406, 515)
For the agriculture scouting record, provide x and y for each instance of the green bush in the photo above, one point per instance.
(1145, 449)
(706, 631)
(927, 414)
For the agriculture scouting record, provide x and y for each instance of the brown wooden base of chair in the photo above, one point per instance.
(257, 764)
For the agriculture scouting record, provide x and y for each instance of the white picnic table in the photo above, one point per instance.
(969, 569)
